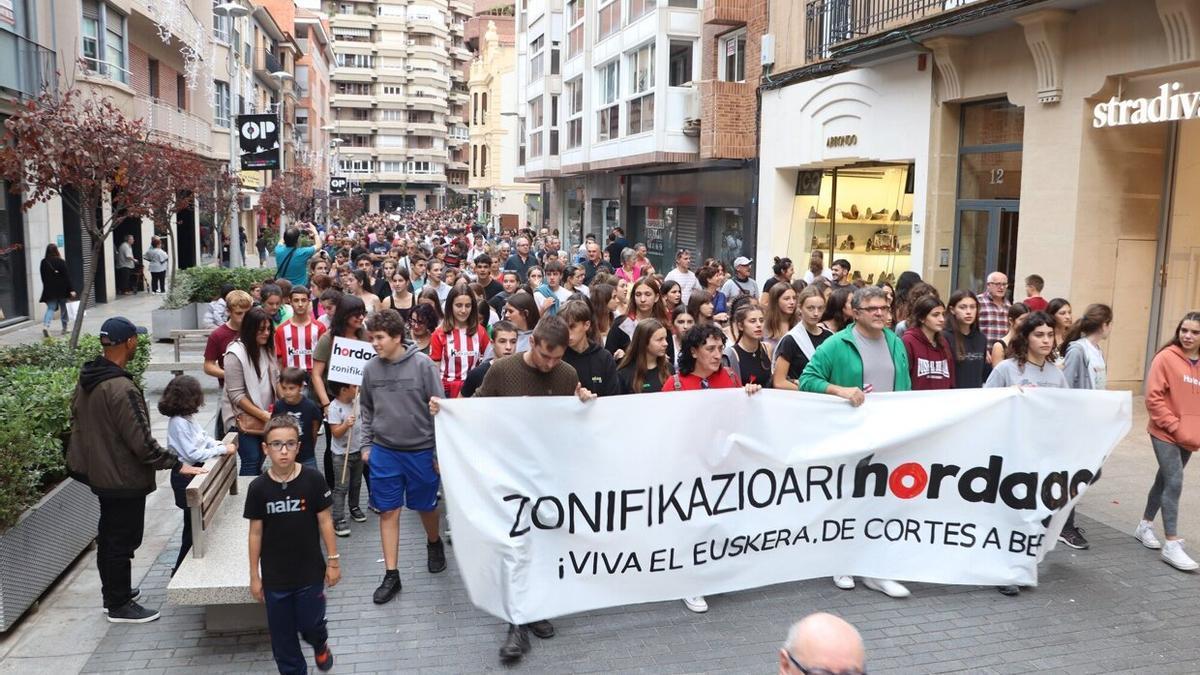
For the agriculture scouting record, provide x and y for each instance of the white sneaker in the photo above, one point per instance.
(844, 582)
(892, 589)
(697, 604)
(1173, 555)
(1145, 534)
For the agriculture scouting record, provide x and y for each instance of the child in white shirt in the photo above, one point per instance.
(347, 459)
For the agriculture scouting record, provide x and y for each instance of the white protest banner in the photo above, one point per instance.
(560, 506)
(347, 360)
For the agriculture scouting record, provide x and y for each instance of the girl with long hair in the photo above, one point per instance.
(999, 348)
(573, 280)
(780, 314)
(797, 347)
(681, 323)
(710, 278)
(383, 279)
(251, 387)
(604, 305)
(783, 271)
(401, 297)
(748, 357)
(966, 340)
(930, 358)
(919, 290)
(645, 302)
(700, 306)
(348, 317)
(56, 288)
(672, 295)
(645, 366)
(839, 312)
(1059, 309)
(1173, 402)
(429, 296)
(521, 311)
(459, 343)
(359, 285)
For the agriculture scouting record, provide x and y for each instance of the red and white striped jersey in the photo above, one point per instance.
(295, 344)
(457, 352)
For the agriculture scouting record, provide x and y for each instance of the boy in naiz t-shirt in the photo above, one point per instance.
(347, 460)
(288, 510)
(299, 407)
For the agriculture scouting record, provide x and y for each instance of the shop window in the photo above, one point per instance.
(862, 214)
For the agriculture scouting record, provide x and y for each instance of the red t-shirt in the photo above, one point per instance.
(1037, 304)
(218, 342)
(458, 352)
(722, 379)
(295, 344)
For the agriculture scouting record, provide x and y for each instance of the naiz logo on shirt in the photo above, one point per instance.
(297, 505)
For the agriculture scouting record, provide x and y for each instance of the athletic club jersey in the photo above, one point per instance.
(294, 344)
(458, 351)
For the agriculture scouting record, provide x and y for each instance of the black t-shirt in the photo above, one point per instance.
(651, 381)
(971, 370)
(492, 289)
(306, 413)
(474, 379)
(755, 367)
(291, 538)
(788, 349)
(771, 284)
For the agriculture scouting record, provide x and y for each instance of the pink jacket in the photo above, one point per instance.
(1173, 399)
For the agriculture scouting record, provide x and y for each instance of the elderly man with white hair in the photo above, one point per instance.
(822, 643)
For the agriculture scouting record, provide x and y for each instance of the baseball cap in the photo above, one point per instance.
(118, 329)
(741, 260)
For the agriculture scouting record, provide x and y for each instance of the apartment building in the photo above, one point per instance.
(399, 100)
(641, 113)
(502, 202)
(1042, 137)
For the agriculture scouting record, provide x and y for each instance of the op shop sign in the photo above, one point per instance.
(1170, 105)
(347, 360)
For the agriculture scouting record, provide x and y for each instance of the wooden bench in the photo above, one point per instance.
(216, 575)
(183, 339)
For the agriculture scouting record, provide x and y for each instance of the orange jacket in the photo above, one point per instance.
(1173, 399)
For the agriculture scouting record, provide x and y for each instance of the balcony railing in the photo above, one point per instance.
(26, 67)
(174, 126)
(831, 23)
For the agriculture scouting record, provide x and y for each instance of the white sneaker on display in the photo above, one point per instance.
(892, 589)
(1173, 555)
(697, 604)
(844, 582)
(1145, 534)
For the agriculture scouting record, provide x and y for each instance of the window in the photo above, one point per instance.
(475, 161)
(389, 141)
(421, 167)
(354, 88)
(221, 25)
(641, 90)
(221, 104)
(356, 165)
(535, 113)
(389, 115)
(355, 61)
(302, 125)
(682, 3)
(574, 97)
(608, 114)
(575, 14)
(639, 7)
(680, 64)
(731, 56)
(343, 34)
(536, 119)
(537, 63)
(352, 114)
(180, 92)
(356, 140)
(609, 18)
(302, 80)
(391, 166)
(153, 75)
(104, 40)
(393, 90)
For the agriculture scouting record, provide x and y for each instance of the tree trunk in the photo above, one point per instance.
(89, 282)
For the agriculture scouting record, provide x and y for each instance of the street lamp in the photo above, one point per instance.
(234, 10)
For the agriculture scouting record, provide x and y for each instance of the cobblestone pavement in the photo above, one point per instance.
(1115, 608)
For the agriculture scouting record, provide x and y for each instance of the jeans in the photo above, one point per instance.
(250, 455)
(117, 538)
(297, 611)
(352, 483)
(53, 306)
(1168, 484)
(158, 282)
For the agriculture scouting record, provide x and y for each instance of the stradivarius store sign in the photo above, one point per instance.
(1170, 105)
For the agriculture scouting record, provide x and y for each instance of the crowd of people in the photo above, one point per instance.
(451, 312)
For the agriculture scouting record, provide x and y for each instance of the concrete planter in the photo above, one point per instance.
(199, 309)
(42, 544)
(163, 321)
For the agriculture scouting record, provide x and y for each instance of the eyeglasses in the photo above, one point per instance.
(822, 671)
(279, 445)
(874, 310)
(997, 283)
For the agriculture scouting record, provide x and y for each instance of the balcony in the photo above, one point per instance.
(26, 67)
(830, 24)
(727, 120)
(728, 12)
(172, 126)
(175, 17)
(266, 63)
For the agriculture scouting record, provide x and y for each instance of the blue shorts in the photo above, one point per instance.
(403, 479)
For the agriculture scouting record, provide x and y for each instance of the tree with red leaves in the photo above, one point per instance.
(346, 209)
(291, 194)
(181, 174)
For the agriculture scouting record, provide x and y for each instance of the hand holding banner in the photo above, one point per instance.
(714, 491)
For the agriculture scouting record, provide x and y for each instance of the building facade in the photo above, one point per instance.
(642, 113)
(1062, 138)
(502, 201)
(399, 99)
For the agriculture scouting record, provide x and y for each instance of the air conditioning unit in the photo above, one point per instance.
(412, 43)
(408, 69)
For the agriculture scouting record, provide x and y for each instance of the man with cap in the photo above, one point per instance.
(740, 283)
(113, 451)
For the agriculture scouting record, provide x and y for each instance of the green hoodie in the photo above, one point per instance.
(837, 362)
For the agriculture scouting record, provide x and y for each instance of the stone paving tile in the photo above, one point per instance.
(1115, 608)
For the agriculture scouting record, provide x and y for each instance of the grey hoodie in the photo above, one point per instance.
(394, 402)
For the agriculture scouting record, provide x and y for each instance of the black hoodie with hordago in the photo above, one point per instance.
(112, 449)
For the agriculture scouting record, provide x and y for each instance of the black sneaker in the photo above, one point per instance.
(388, 588)
(341, 528)
(1073, 537)
(542, 629)
(324, 658)
(133, 595)
(515, 645)
(131, 612)
(437, 556)
(357, 515)
(1009, 590)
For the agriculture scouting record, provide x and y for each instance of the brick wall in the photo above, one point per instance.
(727, 109)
